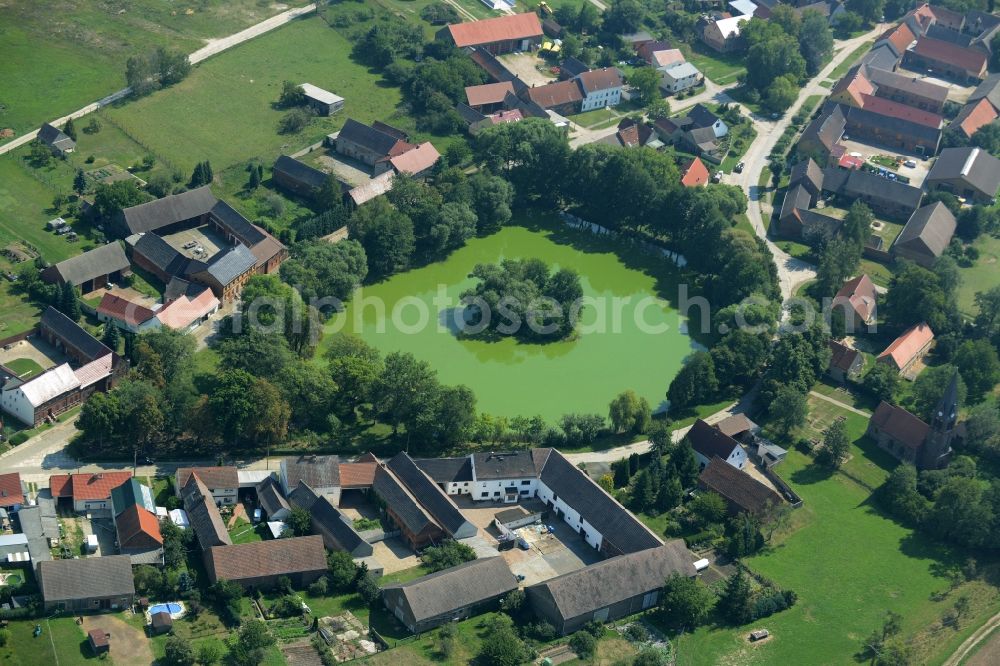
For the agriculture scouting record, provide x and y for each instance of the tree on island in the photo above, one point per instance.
(524, 299)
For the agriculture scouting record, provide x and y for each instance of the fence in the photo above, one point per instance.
(579, 223)
(786, 490)
(18, 337)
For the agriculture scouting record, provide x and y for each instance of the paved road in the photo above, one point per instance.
(791, 272)
(213, 47)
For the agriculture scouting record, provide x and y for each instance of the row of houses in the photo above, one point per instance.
(928, 229)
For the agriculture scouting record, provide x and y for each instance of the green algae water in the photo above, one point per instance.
(628, 337)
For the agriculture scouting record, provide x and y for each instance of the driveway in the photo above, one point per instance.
(523, 65)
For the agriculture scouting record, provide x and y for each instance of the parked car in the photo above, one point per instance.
(523, 545)
(910, 163)
(739, 167)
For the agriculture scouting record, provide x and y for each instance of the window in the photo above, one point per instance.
(526, 483)
(485, 495)
(496, 494)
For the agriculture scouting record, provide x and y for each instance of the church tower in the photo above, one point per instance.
(937, 447)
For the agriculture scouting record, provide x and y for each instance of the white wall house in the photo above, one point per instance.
(498, 490)
(737, 458)
(679, 77)
(570, 516)
(600, 87)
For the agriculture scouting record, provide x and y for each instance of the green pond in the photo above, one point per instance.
(641, 348)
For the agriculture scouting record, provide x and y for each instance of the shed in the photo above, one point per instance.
(511, 519)
(160, 623)
(100, 640)
(324, 101)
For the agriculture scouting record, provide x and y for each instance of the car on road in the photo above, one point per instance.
(739, 167)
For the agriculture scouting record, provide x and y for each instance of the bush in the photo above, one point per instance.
(319, 588)
(583, 644)
(287, 606)
(294, 121)
(4, 637)
(637, 633)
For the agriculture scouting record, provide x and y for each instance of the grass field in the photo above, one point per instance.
(61, 642)
(843, 591)
(720, 68)
(18, 314)
(982, 275)
(24, 210)
(86, 45)
(223, 110)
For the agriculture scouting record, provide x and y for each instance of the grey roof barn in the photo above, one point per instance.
(611, 589)
(448, 595)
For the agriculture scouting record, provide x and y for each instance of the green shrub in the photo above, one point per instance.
(19, 438)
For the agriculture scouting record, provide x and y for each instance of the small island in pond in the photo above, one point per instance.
(522, 299)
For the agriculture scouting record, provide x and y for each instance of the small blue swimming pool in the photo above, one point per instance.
(171, 608)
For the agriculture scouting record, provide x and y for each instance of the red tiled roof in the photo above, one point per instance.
(900, 37)
(96, 486)
(138, 528)
(855, 84)
(968, 59)
(181, 312)
(357, 474)
(600, 79)
(276, 557)
(511, 116)
(975, 115)
(125, 310)
(887, 107)
(10, 489)
(900, 424)
(502, 28)
(488, 93)
(60, 486)
(905, 347)
(860, 293)
(417, 160)
(695, 174)
(556, 94)
(842, 357)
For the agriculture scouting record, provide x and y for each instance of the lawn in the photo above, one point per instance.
(62, 642)
(720, 68)
(196, 119)
(86, 45)
(25, 368)
(589, 119)
(842, 68)
(982, 275)
(18, 314)
(740, 137)
(244, 532)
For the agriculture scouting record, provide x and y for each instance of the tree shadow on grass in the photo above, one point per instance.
(814, 473)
